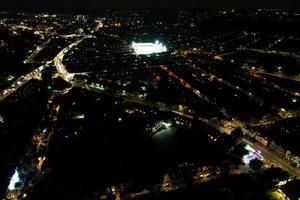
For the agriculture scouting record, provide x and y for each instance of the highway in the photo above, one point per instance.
(27, 77)
(58, 60)
(31, 57)
(34, 73)
(20, 82)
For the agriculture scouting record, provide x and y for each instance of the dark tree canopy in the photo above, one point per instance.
(256, 164)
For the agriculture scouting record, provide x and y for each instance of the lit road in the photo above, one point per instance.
(172, 186)
(281, 53)
(221, 129)
(194, 90)
(273, 158)
(58, 60)
(68, 77)
(234, 87)
(277, 75)
(31, 57)
(134, 99)
(20, 82)
(272, 120)
(272, 52)
(259, 76)
(36, 153)
(43, 134)
(61, 68)
(27, 77)
(256, 73)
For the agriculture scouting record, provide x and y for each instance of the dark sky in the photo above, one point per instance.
(51, 4)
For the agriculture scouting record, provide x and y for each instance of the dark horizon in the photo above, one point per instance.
(95, 11)
(118, 4)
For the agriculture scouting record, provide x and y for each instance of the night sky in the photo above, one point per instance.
(214, 4)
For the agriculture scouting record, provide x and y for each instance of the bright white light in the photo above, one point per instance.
(148, 48)
(14, 179)
(167, 124)
(252, 155)
(246, 159)
(70, 76)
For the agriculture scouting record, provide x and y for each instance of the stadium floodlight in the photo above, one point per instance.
(148, 48)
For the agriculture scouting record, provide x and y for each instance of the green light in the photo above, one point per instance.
(49, 87)
(248, 148)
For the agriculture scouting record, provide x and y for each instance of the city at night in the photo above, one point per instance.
(150, 100)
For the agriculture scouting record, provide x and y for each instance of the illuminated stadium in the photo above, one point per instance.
(148, 48)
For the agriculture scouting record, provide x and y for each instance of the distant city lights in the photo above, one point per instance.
(14, 179)
(148, 48)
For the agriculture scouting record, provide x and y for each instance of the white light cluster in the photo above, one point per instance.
(167, 124)
(14, 179)
(252, 155)
(148, 48)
